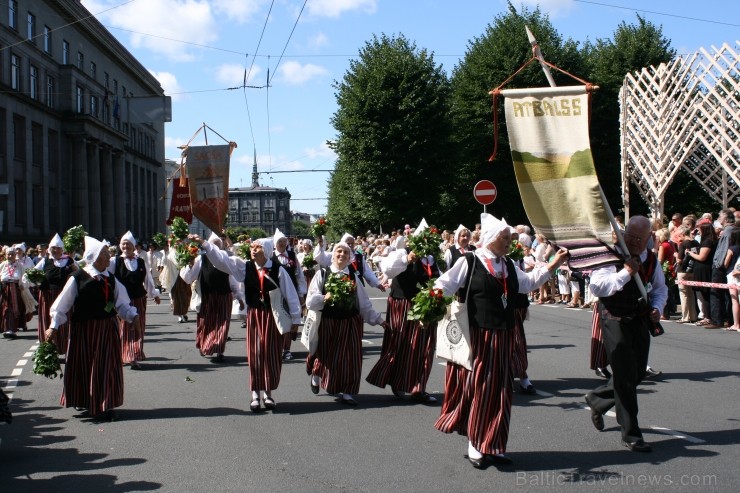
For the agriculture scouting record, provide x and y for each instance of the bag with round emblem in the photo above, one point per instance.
(453, 332)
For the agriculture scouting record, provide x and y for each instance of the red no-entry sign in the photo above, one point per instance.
(484, 192)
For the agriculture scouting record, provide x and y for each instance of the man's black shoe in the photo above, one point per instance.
(638, 446)
(596, 417)
(603, 373)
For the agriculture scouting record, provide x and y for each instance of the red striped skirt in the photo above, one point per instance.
(264, 350)
(12, 309)
(338, 357)
(407, 354)
(598, 349)
(519, 360)
(180, 295)
(212, 325)
(132, 340)
(477, 403)
(93, 372)
(46, 299)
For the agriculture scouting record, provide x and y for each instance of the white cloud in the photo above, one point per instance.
(555, 8)
(241, 10)
(335, 8)
(169, 84)
(318, 40)
(190, 20)
(322, 151)
(233, 74)
(294, 74)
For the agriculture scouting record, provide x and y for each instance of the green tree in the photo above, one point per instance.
(301, 228)
(393, 138)
(490, 59)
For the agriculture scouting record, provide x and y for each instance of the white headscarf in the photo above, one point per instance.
(346, 237)
(277, 236)
(400, 243)
(93, 248)
(128, 236)
(56, 241)
(268, 246)
(341, 244)
(491, 227)
(459, 230)
(20, 246)
(308, 242)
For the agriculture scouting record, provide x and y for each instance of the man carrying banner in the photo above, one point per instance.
(626, 320)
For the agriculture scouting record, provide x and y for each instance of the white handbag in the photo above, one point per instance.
(453, 332)
(280, 309)
(310, 334)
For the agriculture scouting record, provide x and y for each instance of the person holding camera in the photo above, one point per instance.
(703, 267)
(685, 272)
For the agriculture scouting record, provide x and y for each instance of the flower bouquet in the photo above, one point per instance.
(308, 262)
(36, 276)
(180, 229)
(46, 360)
(159, 239)
(669, 271)
(244, 249)
(429, 305)
(185, 252)
(74, 239)
(426, 243)
(318, 229)
(516, 251)
(342, 289)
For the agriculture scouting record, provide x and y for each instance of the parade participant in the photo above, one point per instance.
(305, 247)
(336, 366)
(264, 343)
(461, 245)
(57, 268)
(180, 291)
(218, 290)
(132, 273)
(12, 309)
(91, 299)
(407, 353)
(477, 403)
(364, 272)
(154, 257)
(287, 258)
(27, 263)
(519, 359)
(625, 323)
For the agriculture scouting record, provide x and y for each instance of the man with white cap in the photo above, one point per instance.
(93, 372)
(218, 290)
(460, 246)
(57, 268)
(477, 403)
(133, 273)
(287, 258)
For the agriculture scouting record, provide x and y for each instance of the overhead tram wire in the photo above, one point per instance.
(634, 9)
(247, 73)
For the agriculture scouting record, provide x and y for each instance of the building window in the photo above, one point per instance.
(33, 80)
(65, 52)
(106, 111)
(233, 218)
(233, 204)
(19, 190)
(47, 39)
(93, 70)
(253, 203)
(281, 215)
(49, 91)
(31, 31)
(15, 72)
(80, 60)
(80, 100)
(282, 202)
(269, 216)
(106, 80)
(255, 217)
(94, 106)
(269, 203)
(245, 217)
(13, 14)
(19, 138)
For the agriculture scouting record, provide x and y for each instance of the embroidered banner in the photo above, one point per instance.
(208, 173)
(548, 135)
(180, 204)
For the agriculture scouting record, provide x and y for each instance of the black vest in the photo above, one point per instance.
(624, 303)
(330, 311)
(290, 266)
(455, 254)
(521, 300)
(211, 279)
(133, 281)
(485, 307)
(56, 276)
(254, 297)
(91, 301)
(405, 285)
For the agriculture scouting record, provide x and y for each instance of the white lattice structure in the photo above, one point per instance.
(684, 114)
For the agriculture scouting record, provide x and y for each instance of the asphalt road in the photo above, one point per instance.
(186, 426)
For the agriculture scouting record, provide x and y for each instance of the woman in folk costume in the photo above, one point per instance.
(519, 359)
(132, 272)
(287, 258)
(261, 275)
(12, 308)
(218, 290)
(180, 291)
(461, 245)
(407, 353)
(27, 263)
(357, 260)
(91, 299)
(57, 268)
(477, 403)
(336, 366)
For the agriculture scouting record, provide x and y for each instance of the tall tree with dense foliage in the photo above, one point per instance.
(392, 143)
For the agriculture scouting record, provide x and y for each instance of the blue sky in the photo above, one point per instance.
(199, 48)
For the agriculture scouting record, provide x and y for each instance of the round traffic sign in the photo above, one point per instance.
(484, 192)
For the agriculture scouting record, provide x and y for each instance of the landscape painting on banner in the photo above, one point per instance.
(551, 151)
(208, 173)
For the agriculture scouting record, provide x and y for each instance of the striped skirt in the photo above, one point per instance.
(93, 372)
(338, 357)
(212, 326)
(407, 354)
(132, 340)
(12, 309)
(519, 360)
(180, 296)
(598, 349)
(477, 403)
(46, 299)
(264, 350)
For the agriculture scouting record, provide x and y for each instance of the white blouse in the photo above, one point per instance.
(315, 298)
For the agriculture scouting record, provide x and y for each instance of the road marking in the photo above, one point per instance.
(16, 372)
(367, 342)
(384, 298)
(28, 354)
(11, 384)
(677, 434)
(21, 362)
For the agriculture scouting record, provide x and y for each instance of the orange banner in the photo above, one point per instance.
(208, 173)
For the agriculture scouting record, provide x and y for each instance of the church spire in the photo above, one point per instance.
(255, 175)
